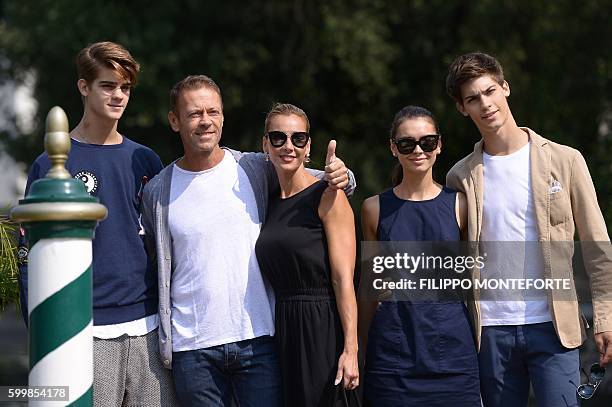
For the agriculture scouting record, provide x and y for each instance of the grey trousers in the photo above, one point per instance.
(128, 372)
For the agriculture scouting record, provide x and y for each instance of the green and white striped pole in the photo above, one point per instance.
(60, 217)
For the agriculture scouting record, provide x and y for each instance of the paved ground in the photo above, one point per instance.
(13, 349)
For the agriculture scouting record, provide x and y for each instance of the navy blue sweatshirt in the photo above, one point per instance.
(124, 283)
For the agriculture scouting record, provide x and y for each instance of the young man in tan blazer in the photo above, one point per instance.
(522, 187)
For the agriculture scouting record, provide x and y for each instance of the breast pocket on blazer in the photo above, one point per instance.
(559, 208)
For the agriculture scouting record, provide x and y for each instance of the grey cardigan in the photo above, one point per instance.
(158, 241)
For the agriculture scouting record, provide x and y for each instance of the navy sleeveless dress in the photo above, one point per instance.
(420, 354)
(293, 255)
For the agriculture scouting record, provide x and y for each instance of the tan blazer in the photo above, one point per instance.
(558, 216)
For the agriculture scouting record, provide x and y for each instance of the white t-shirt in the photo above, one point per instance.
(218, 294)
(509, 223)
(138, 327)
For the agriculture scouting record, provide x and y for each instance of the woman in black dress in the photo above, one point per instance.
(306, 249)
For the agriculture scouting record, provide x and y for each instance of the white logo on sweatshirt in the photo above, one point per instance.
(90, 181)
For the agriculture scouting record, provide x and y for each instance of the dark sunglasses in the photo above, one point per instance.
(299, 139)
(596, 375)
(407, 145)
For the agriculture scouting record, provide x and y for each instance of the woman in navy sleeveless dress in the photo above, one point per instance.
(417, 353)
(306, 249)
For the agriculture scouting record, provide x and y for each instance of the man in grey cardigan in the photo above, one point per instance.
(202, 215)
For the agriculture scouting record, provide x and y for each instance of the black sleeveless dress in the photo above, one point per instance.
(292, 254)
(420, 354)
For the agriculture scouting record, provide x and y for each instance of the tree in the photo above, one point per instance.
(350, 65)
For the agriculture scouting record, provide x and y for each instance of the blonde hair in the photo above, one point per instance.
(285, 109)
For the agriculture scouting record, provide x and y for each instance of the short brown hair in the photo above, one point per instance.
(468, 67)
(285, 109)
(108, 55)
(192, 82)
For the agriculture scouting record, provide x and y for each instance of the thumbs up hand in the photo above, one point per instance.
(336, 172)
(331, 152)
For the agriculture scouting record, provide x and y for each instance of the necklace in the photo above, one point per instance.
(80, 137)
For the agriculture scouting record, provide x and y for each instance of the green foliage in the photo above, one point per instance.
(350, 65)
(9, 290)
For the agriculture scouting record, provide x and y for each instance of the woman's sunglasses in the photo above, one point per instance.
(299, 139)
(407, 145)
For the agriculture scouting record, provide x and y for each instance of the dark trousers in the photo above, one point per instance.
(246, 373)
(513, 356)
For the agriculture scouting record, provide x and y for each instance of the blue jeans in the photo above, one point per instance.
(512, 356)
(246, 373)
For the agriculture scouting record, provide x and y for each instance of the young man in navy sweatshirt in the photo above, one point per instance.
(115, 169)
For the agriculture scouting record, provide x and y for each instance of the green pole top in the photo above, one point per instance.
(58, 197)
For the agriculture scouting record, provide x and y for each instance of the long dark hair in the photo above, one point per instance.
(406, 113)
